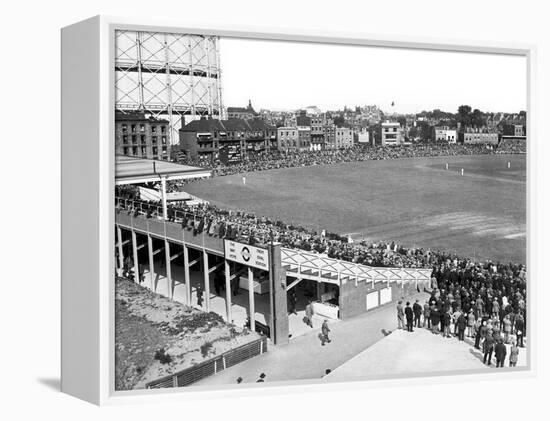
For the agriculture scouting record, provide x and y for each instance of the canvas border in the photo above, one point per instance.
(106, 203)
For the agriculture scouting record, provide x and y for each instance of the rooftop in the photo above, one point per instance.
(248, 109)
(233, 124)
(137, 116)
(130, 170)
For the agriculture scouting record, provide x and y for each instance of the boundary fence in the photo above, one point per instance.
(207, 368)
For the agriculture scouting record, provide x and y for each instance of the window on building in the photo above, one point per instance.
(133, 128)
(164, 140)
(163, 129)
(142, 138)
(124, 128)
(155, 150)
(134, 138)
(125, 139)
(125, 151)
(141, 128)
(153, 129)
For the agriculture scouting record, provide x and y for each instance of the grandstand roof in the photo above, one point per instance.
(129, 170)
(317, 267)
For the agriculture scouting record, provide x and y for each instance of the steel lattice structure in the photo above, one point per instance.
(313, 266)
(168, 75)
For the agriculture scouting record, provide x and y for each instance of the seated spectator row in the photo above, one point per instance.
(279, 159)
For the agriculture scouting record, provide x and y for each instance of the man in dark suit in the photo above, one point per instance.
(520, 326)
(488, 346)
(292, 299)
(427, 316)
(409, 317)
(435, 316)
(199, 295)
(417, 310)
(461, 326)
(500, 353)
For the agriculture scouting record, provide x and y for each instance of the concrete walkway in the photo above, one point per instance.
(418, 352)
(305, 359)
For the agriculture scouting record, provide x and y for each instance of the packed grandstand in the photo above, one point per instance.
(254, 229)
(279, 159)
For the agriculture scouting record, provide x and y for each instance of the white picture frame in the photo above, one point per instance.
(88, 202)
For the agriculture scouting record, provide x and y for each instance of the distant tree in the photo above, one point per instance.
(438, 114)
(414, 132)
(477, 119)
(425, 131)
(464, 117)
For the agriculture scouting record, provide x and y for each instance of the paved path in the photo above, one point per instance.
(305, 359)
(419, 352)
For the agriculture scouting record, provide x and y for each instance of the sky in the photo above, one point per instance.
(292, 75)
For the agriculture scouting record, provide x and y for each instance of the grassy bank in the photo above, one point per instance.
(155, 336)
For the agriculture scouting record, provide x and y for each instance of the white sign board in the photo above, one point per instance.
(247, 255)
(372, 300)
(385, 295)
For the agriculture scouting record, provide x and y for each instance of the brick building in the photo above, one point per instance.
(445, 134)
(476, 136)
(514, 130)
(287, 138)
(329, 132)
(343, 137)
(304, 138)
(226, 140)
(391, 133)
(317, 133)
(141, 136)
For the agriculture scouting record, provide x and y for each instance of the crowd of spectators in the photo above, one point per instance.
(489, 291)
(485, 302)
(259, 230)
(290, 159)
(512, 146)
(249, 228)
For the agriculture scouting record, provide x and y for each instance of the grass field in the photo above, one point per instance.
(415, 202)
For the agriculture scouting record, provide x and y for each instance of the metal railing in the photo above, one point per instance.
(177, 215)
(208, 368)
